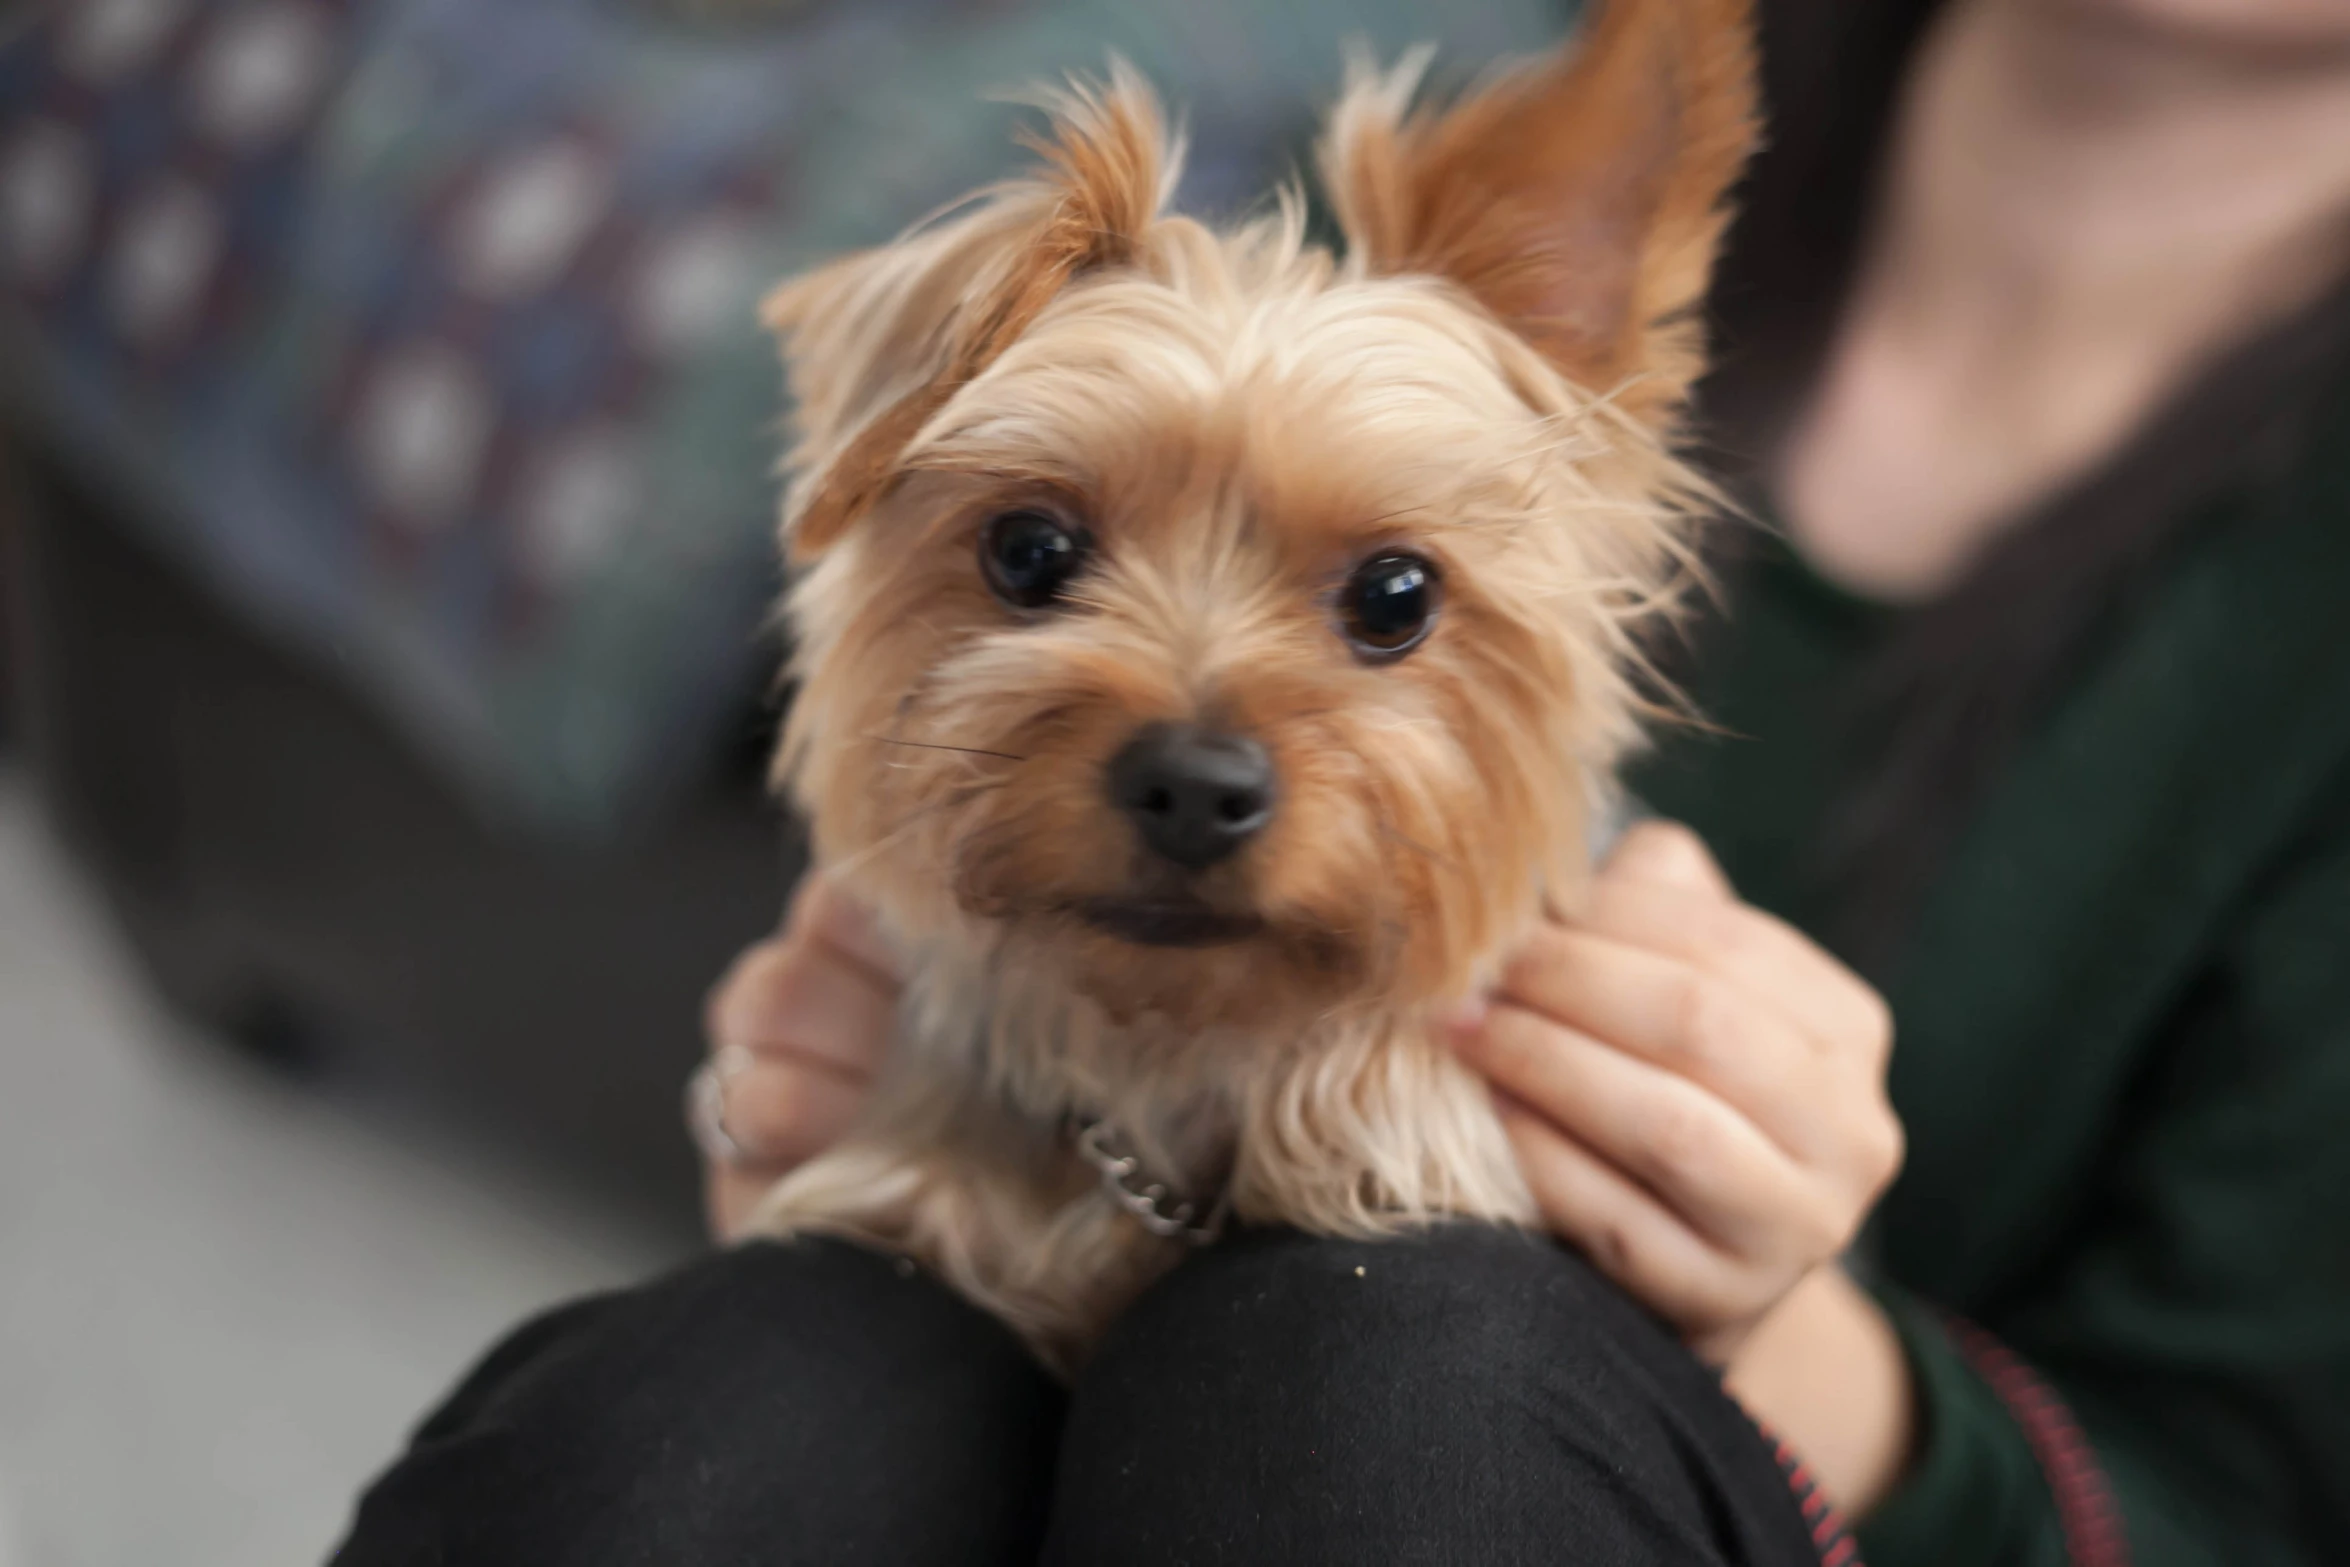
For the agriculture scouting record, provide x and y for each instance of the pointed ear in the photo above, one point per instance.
(1580, 199)
(876, 342)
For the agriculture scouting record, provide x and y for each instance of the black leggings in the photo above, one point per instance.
(1470, 1396)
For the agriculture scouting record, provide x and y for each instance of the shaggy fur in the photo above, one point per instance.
(1489, 377)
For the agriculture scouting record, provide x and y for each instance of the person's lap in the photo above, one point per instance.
(1469, 1396)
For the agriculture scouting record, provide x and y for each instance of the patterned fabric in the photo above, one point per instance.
(2085, 1511)
(422, 328)
(1829, 1535)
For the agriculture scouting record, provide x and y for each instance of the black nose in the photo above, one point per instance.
(1195, 795)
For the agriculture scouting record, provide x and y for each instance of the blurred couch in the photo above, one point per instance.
(300, 879)
(390, 501)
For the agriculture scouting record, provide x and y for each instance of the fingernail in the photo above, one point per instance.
(1463, 1017)
(849, 925)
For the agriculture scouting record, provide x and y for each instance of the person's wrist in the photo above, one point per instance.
(1826, 1371)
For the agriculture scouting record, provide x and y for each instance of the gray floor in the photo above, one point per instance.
(221, 1301)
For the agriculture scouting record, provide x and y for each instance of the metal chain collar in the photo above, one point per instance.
(1156, 1205)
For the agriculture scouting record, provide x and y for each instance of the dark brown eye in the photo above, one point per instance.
(1028, 557)
(1389, 603)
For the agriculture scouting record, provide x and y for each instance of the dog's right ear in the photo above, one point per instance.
(877, 342)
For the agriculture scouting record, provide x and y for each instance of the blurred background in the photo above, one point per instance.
(385, 500)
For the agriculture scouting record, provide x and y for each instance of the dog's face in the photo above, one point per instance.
(1230, 630)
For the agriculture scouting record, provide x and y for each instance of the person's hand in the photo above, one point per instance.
(795, 1028)
(1696, 1093)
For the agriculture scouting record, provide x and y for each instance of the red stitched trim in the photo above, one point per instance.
(1828, 1534)
(2085, 1510)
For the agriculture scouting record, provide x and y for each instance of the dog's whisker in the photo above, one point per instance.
(1389, 831)
(913, 819)
(935, 745)
(1432, 855)
(1390, 516)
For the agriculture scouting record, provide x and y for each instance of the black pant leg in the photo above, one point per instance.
(776, 1404)
(1473, 1396)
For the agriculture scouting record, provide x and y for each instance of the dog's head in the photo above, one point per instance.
(1234, 629)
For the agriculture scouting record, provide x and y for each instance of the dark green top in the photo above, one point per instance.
(2123, 1052)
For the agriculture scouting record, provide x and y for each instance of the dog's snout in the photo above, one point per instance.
(1195, 795)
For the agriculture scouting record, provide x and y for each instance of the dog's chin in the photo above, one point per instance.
(1167, 922)
(1170, 953)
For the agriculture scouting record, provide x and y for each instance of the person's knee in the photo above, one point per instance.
(810, 1393)
(1348, 1400)
(1430, 1320)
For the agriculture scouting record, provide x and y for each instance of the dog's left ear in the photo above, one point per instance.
(877, 342)
(1581, 199)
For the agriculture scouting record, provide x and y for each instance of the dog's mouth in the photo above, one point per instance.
(1165, 922)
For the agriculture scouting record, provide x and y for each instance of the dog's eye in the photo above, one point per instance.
(1388, 605)
(1028, 557)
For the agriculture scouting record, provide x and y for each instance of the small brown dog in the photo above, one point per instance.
(1212, 650)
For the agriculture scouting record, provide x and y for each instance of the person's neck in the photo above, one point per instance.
(2111, 182)
(2079, 212)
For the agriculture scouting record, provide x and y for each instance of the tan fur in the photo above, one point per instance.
(1579, 199)
(1487, 377)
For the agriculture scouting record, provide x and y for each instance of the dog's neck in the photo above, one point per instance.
(1054, 1057)
(1340, 1119)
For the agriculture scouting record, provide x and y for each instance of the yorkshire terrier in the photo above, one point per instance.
(1212, 650)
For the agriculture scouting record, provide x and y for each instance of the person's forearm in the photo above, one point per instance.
(1826, 1371)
